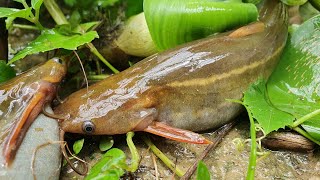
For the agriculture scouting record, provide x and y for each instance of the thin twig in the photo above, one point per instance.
(155, 166)
(220, 133)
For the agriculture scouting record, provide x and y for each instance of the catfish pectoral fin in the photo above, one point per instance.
(20, 128)
(176, 134)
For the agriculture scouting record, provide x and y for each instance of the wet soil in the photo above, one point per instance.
(227, 161)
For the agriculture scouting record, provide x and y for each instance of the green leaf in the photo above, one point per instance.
(70, 3)
(36, 4)
(294, 2)
(270, 118)
(294, 85)
(307, 11)
(202, 172)
(75, 18)
(110, 167)
(105, 3)
(252, 1)
(133, 7)
(77, 146)
(51, 39)
(313, 129)
(174, 22)
(82, 28)
(15, 13)
(6, 72)
(106, 143)
(315, 4)
(64, 29)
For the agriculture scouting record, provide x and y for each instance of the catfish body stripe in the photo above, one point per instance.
(214, 78)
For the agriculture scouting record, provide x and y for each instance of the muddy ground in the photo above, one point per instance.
(227, 161)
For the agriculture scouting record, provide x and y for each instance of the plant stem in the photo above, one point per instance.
(94, 50)
(163, 157)
(305, 118)
(305, 134)
(32, 18)
(25, 5)
(135, 158)
(55, 12)
(98, 77)
(253, 150)
(23, 26)
(37, 23)
(37, 19)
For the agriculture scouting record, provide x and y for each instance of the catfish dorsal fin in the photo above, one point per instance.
(248, 30)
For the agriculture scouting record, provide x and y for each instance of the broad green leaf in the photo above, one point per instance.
(174, 22)
(106, 143)
(77, 146)
(15, 13)
(36, 4)
(294, 86)
(110, 167)
(202, 172)
(270, 118)
(6, 72)
(51, 39)
(294, 2)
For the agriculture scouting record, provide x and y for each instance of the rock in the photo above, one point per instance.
(48, 158)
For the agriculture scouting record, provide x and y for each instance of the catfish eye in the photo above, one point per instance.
(57, 60)
(88, 127)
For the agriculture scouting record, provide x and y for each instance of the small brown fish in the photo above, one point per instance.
(21, 100)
